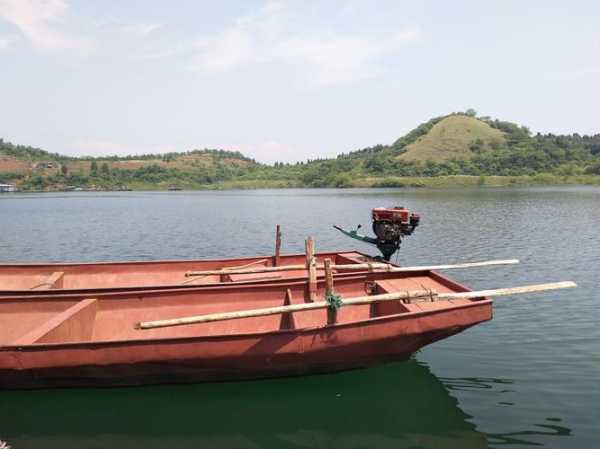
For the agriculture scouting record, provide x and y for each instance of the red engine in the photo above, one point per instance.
(390, 225)
(394, 220)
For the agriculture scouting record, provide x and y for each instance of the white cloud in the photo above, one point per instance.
(580, 72)
(141, 29)
(325, 57)
(348, 9)
(41, 21)
(7, 41)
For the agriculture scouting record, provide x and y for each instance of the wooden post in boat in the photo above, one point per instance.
(331, 313)
(307, 253)
(277, 257)
(328, 277)
(311, 266)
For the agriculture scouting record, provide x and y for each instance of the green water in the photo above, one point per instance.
(527, 378)
(400, 406)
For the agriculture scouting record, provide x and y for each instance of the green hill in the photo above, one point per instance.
(457, 148)
(455, 136)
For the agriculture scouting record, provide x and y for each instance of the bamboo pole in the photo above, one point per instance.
(276, 310)
(226, 270)
(404, 295)
(276, 261)
(509, 291)
(359, 267)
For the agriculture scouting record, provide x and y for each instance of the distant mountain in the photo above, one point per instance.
(454, 144)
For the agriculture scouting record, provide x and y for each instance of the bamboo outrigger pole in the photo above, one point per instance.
(405, 295)
(356, 267)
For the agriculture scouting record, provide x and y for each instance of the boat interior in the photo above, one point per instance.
(155, 273)
(60, 319)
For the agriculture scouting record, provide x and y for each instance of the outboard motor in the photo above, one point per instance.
(390, 225)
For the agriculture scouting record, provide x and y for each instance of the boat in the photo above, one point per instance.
(136, 323)
(233, 331)
(58, 278)
(389, 225)
(59, 341)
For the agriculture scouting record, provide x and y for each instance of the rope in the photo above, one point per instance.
(334, 301)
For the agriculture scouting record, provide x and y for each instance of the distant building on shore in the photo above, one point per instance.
(8, 188)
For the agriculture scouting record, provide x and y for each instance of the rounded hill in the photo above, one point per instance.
(454, 137)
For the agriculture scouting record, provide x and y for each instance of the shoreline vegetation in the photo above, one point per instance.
(438, 182)
(455, 181)
(456, 150)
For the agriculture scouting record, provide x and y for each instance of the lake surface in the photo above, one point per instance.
(530, 377)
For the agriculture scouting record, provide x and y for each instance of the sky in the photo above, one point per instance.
(287, 81)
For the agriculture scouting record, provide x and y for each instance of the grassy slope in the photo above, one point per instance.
(452, 138)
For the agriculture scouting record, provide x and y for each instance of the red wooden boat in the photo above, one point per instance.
(64, 341)
(60, 278)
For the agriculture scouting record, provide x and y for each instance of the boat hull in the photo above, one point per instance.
(325, 349)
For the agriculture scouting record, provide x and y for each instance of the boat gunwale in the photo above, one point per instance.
(151, 262)
(300, 331)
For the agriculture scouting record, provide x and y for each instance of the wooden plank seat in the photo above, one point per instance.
(73, 325)
(387, 308)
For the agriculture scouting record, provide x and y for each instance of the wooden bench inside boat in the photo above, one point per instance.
(75, 324)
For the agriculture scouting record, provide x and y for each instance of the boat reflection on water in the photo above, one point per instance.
(402, 405)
